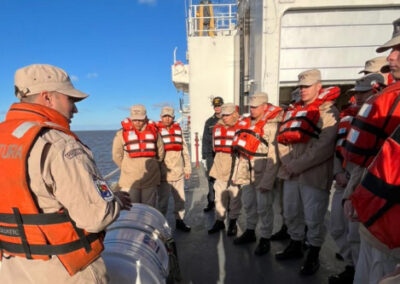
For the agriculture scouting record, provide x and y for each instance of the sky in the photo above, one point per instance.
(120, 52)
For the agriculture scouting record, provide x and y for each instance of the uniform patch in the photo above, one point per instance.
(103, 189)
(74, 152)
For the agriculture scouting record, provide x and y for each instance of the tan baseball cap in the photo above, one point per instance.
(35, 78)
(395, 38)
(367, 83)
(138, 112)
(309, 77)
(228, 108)
(377, 64)
(258, 99)
(167, 110)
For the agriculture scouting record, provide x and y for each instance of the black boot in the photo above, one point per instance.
(346, 277)
(180, 225)
(293, 250)
(210, 206)
(249, 236)
(218, 226)
(281, 234)
(263, 246)
(311, 265)
(232, 228)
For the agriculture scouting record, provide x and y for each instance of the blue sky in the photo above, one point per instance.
(118, 51)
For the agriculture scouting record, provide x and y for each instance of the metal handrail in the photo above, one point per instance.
(223, 20)
(111, 174)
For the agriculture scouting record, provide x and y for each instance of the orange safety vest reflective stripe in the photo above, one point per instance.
(377, 199)
(139, 144)
(346, 116)
(171, 137)
(24, 231)
(248, 137)
(300, 121)
(223, 138)
(375, 121)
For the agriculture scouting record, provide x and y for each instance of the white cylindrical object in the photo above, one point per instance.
(135, 246)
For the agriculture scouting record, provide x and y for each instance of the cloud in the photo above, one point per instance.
(148, 2)
(92, 75)
(161, 105)
(74, 78)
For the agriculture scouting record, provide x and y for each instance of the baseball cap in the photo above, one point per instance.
(228, 108)
(258, 99)
(35, 78)
(395, 38)
(309, 77)
(138, 112)
(217, 101)
(167, 110)
(377, 64)
(368, 82)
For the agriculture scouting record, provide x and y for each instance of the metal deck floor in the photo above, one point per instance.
(213, 258)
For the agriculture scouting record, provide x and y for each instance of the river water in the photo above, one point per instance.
(100, 142)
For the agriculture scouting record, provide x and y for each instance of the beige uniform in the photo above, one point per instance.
(306, 194)
(62, 176)
(344, 232)
(375, 259)
(261, 175)
(139, 176)
(225, 195)
(173, 169)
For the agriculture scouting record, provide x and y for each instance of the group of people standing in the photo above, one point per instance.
(311, 147)
(154, 161)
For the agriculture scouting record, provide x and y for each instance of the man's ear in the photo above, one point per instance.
(46, 98)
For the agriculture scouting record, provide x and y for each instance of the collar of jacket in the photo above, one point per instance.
(37, 112)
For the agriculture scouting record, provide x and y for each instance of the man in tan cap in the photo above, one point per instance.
(307, 138)
(378, 65)
(175, 167)
(227, 195)
(376, 258)
(256, 168)
(344, 232)
(55, 204)
(138, 150)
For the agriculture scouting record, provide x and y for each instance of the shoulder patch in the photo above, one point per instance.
(74, 152)
(103, 189)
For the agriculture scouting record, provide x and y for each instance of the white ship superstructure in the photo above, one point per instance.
(261, 45)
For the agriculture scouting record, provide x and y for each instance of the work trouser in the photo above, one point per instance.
(305, 205)
(372, 264)
(344, 232)
(227, 197)
(211, 180)
(177, 188)
(258, 206)
(143, 195)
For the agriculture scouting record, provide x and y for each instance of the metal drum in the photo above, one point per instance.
(139, 247)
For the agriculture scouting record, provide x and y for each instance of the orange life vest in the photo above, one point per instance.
(346, 116)
(171, 137)
(223, 138)
(24, 230)
(300, 122)
(248, 138)
(377, 199)
(375, 121)
(139, 143)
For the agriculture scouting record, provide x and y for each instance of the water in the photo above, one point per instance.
(100, 142)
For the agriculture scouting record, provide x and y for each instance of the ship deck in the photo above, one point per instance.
(214, 258)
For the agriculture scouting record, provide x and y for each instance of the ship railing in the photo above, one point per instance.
(224, 20)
